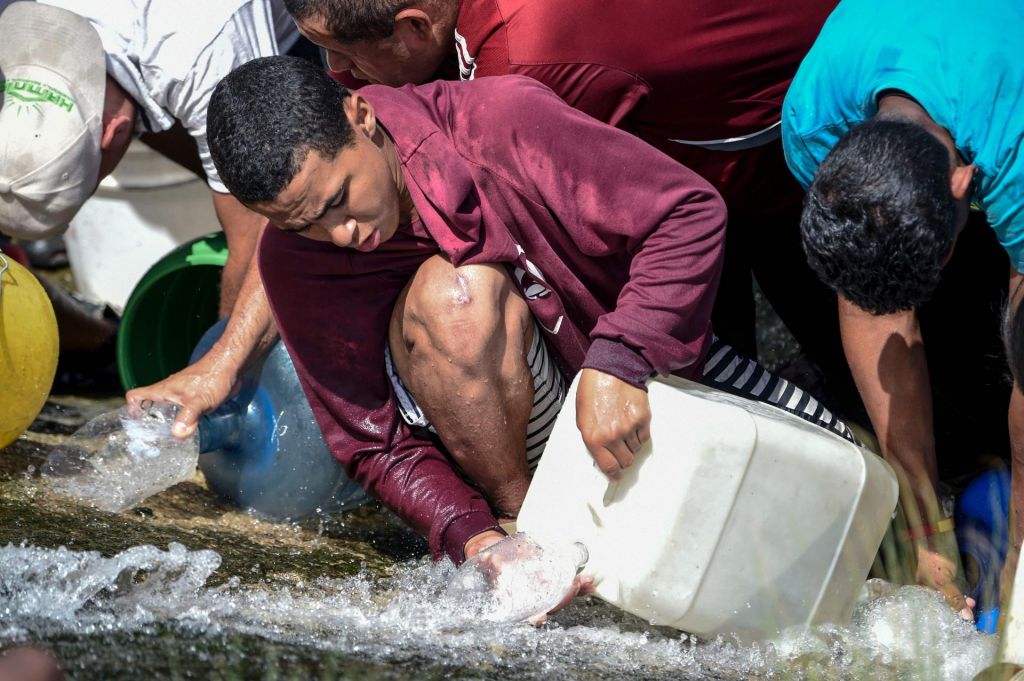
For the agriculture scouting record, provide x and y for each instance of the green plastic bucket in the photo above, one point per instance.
(170, 308)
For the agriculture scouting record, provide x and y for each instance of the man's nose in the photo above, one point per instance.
(336, 61)
(344, 233)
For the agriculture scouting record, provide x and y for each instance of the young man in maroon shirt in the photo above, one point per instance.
(445, 231)
(703, 81)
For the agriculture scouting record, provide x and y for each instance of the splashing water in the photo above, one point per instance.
(516, 580)
(120, 458)
(57, 584)
(413, 615)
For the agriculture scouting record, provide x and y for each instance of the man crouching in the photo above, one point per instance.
(434, 243)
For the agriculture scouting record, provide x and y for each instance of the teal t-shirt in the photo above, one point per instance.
(962, 61)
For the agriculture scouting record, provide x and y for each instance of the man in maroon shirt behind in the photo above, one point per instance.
(701, 80)
(618, 252)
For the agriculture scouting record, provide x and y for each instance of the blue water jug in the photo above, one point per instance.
(982, 532)
(262, 449)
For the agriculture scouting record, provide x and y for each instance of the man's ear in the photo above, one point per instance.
(114, 141)
(117, 132)
(414, 24)
(960, 183)
(361, 115)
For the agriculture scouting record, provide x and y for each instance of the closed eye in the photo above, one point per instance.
(333, 202)
(338, 199)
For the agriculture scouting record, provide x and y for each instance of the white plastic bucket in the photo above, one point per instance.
(144, 209)
(736, 517)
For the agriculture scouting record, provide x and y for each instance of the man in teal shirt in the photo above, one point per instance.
(901, 117)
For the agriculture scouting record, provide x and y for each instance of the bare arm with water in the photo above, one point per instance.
(1015, 420)
(242, 228)
(205, 385)
(887, 358)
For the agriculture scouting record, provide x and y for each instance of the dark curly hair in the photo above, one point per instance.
(879, 219)
(264, 119)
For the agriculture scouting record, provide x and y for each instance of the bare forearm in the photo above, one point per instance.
(1016, 423)
(250, 330)
(1015, 420)
(887, 359)
(242, 228)
(202, 387)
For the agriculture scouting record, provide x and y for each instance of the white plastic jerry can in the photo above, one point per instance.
(736, 517)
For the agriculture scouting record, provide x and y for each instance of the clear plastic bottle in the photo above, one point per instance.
(516, 579)
(120, 458)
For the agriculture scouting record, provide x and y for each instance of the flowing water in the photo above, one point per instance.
(151, 609)
(186, 587)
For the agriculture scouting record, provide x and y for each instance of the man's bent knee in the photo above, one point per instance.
(465, 314)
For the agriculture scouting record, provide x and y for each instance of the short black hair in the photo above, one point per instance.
(879, 219)
(264, 119)
(351, 20)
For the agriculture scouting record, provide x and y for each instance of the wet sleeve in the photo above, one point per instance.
(335, 328)
(617, 195)
(413, 478)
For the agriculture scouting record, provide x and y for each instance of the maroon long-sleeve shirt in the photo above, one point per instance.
(616, 248)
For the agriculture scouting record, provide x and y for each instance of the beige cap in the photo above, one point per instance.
(53, 73)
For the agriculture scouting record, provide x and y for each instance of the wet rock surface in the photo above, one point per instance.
(188, 587)
(189, 513)
(367, 540)
(185, 586)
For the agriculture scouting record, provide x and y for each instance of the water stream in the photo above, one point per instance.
(405, 621)
(186, 587)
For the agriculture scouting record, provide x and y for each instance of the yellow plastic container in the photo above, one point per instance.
(28, 349)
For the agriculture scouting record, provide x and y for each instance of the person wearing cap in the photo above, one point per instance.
(82, 78)
(906, 122)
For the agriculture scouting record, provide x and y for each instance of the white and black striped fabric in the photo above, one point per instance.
(728, 370)
(725, 369)
(548, 395)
